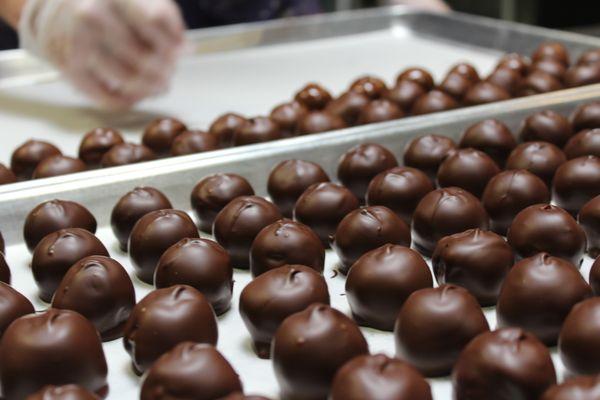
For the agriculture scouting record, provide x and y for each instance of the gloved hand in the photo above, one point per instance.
(118, 52)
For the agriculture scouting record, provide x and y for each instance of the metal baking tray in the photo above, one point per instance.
(250, 68)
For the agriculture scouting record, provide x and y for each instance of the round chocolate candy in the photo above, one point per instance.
(126, 153)
(201, 264)
(552, 50)
(443, 212)
(26, 157)
(547, 228)
(538, 82)
(381, 280)
(485, 92)
(509, 192)
(192, 142)
(505, 78)
(289, 179)
(257, 130)
(379, 377)
(433, 101)
(448, 318)
(190, 371)
(225, 127)
(362, 163)
(213, 193)
(164, 318)
(476, 260)
(581, 75)
(96, 143)
(370, 86)
(65, 392)
(578, 388)
(365, 229)
(418, 75)
(4, 268)
(579, 342)
(322, 206)
(537, 295)
(2, 244)
(469, 169)
(310, 346)
(515, 62)
(133, 206)
(456, 85)
(405, 93)
(54, 347)
(58, 165)
(589, 220)
(585, 143)
(586, 116)
(504, 364)
(160, 134)
(466, 70)
(12, 306)
(57, 252)
(348, 107)
(6, 175)
(491, 137)
(313, 96)
(400, 189)
(319, 121)
(239, 222)
(576, 182)
(594, 277)
(546, 126)
(286, 242)
(100, 289)
(287, 116)
(427, 153)
(539, 158)
(550, 66)
(275, 295)
(591, 56)
(380, 110)
(152, 235)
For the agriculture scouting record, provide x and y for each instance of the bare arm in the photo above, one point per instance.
(10, 11)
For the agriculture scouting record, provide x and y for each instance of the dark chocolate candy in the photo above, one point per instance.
(287, 116)
(348, 106)
(582, 75)
(12, 306)
(578, 388)
(456, 85)
(538, 82)
(65, 392)
(58, 165)
(576, 182)
(418, 75)
(26, 157)
(96, 143)
(319, 121)
(492, 137)
(579, 342)
(466, 70)
(591, 56)
(539, 158)
(380, 110)
(4, 268)
(586, 116)
(469, 169)
(225, 127)
(313, 96)
(485, 92)
(257, 130)
(594, 277)
(589, 220)
(160, 134)
(405, 93)
(546, 126)
(370, 86)
(515, 62)
(551, 50)
(192, 142)
(433, 101)
(506, 78)
(585, 143)
(550, 66)
(126, 153)
(427, 153)
(6, 175)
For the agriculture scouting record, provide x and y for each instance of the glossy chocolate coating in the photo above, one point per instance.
(133, 206)
(444, 212)
(275, 295)
(100, 289)
(365, 229)
(578, 388)
(164, 318)
(6, 175)
(466, 70)
(308, 349)
(538, 293)
(456, 85)
(539, 158)
(12, 306)
(469, 169)
(257, 130)
(418, 75)
(485, 92)
(287, 116)
(26, 157)
(54, 347)
(225, 127)
(586, 142)
(504, 364)
(589, 220)
(319, 121)
(547, 228)
(380, 110)
(192, 142)
(370, 86)
(126, 153)
(322, 206)
(427, 153)
(57, 252)
(379, 377)
(202, 264)
(506, 78)
(4, 268)
(152, 235)
(58, 165)
(54, 215)
(433, 101)
(190, 371)
(552, 50)
(65, 392)
(576, 182)
(515, 62)
(213, 193)
(591, 56)
(313, 96)
(490, 136)
(289, 179)
(550, 66)
(582, 75)
(381, 280)
(286, 242)
(348, 106)
(400, 189)
(160, 134)
(594, 277)
(448, 318)
(586, 116)
(546, 126)
(362, 163)
(579, 342)
(239, 222)
(474, 259)
(96, 143)
(405, 93)
(509, 192)
(538, 82)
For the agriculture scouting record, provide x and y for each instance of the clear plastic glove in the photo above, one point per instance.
(118, 52)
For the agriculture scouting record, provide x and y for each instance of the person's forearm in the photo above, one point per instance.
(10, 11)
